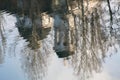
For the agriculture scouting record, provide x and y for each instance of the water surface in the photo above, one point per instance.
(19, 62)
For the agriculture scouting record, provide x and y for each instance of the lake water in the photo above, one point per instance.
(18, 62)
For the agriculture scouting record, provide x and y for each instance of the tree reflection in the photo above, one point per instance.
(82, 30)
(93, 38)
(35, 62)
(2, 39)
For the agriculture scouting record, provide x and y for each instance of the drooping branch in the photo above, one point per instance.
(110, 12)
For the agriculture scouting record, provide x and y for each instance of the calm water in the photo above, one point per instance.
(19, 62)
